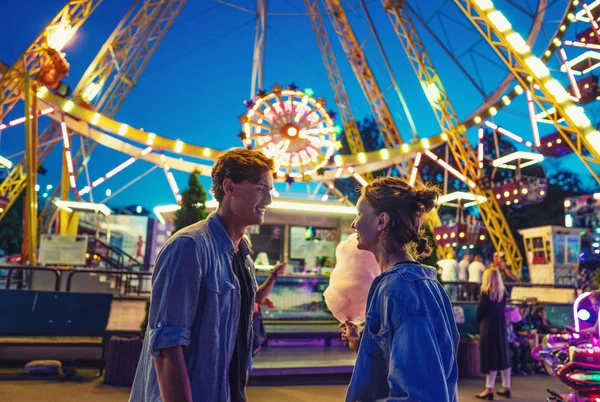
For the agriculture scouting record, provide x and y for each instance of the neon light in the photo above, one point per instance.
(78, 205)
(69, 161)
(575, 309)
(65, 135)
(534, 128)
(533, 157)
(591, 46)
(122, 166)
(574, 85)
(594, 57)
(359, 178)
(97, 182)
(5, 162)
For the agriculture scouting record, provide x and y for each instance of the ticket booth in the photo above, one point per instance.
(552, 254)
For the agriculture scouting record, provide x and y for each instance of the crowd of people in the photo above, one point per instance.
(463, 278)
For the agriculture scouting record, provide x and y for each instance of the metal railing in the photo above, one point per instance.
(123, 279)
(25, 280)
(127, 282)
(469, 291)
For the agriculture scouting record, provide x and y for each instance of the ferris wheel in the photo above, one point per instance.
(294, 127)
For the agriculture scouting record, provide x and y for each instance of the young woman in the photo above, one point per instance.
(493, 346)
(409, 344)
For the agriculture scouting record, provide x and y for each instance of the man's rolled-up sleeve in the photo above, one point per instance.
(175, 295)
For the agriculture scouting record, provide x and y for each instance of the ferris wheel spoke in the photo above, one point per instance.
(263, 116)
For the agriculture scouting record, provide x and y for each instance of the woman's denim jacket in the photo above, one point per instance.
(409, 345)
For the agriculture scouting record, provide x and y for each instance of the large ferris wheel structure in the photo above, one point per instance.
(293, 126)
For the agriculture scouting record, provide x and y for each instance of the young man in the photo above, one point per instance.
(198, 341)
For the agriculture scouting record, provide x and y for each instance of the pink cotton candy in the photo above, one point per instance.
(351, 279)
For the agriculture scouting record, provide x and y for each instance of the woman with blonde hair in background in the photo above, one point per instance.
(493, 346)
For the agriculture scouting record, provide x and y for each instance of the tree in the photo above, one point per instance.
(193, 204)
(11, 228)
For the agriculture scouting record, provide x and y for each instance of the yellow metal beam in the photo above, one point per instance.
(69, 19)
(531, 74)
(31, 166)
(362, 70)
(464, 155)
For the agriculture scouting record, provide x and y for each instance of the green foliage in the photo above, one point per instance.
(193, 205)
(11, 228)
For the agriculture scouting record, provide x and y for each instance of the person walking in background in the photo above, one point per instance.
(493, 346)
(408, 349)
(199, 336)
(449, 268)
(475, 269)
(463, 276)
(463, 267)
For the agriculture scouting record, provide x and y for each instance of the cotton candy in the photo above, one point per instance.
(350, 281)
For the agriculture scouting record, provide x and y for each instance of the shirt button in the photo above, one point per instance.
(160, 324)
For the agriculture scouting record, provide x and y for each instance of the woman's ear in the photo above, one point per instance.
(383, 220)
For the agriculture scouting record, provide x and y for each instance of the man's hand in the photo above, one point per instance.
(279, 268)
(350, 335)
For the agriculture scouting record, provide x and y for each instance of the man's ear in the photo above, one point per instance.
(228, 186)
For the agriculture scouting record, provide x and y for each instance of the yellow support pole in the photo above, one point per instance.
(63, 217)
(31, 168)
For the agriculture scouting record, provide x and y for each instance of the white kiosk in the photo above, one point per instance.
(552, 254)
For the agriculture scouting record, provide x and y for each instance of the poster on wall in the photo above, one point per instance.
(126, 232)
(62, 250)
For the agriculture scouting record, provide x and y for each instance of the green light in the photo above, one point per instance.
(337, 129)
(310, 92)
(585, 377)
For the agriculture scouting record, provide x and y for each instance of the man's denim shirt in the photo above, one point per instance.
(409, 345)
(195, 303)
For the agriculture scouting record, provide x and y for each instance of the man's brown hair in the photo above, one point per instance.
(238, 165)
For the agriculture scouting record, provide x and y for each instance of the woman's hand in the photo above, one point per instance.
(350, 335)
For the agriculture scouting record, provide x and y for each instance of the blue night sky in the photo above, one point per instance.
(194, 86)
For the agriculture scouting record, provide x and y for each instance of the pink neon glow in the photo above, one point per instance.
(575, 305)
(3, 126)
(574, 85)
(65, 135)
(69, 161)
(584, 45)
(534, 127)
